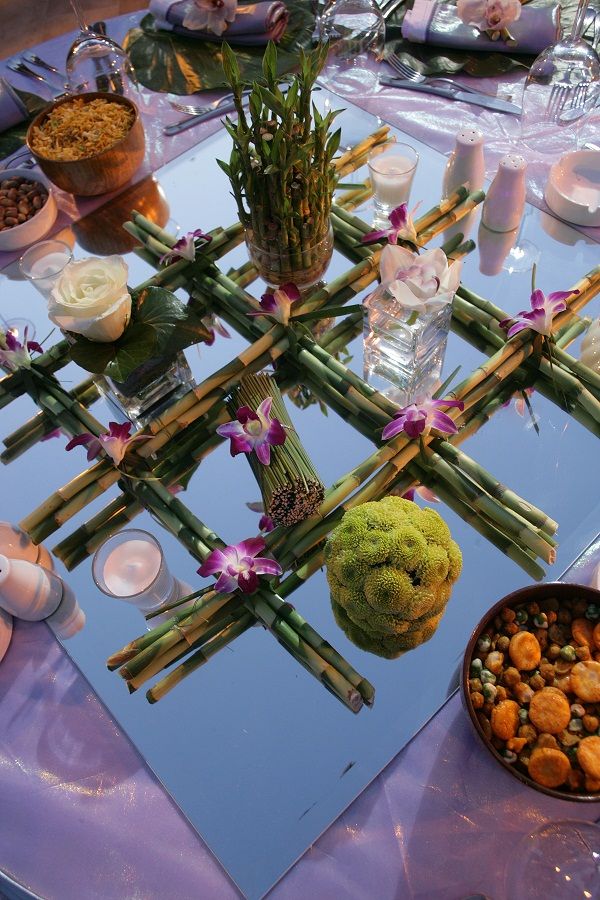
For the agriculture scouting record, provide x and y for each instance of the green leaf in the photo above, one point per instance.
(161, 326)
(164, 61)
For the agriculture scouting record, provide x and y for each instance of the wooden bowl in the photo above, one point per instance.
(534, 593)
(104, 171)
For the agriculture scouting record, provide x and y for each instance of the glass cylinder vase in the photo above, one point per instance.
(404, 348)
(151, 387)
(280, 258)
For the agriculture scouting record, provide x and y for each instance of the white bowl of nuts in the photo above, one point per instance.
(27, 208)
(531, 685)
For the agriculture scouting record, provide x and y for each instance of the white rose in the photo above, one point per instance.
(91, 298)
(419, 282)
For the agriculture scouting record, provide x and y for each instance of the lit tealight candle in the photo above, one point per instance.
(131, 568)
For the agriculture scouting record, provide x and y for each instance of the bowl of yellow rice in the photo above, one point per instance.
(88, 144)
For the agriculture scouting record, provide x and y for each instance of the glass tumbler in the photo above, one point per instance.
(392, 171)
(355, 32)
(131, 566)
(43, 263)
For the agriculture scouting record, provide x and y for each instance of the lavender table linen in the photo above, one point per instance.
(254, 24)
(83, 818)
(81, 815)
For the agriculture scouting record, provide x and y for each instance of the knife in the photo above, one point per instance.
(455, 93)
(190, 121)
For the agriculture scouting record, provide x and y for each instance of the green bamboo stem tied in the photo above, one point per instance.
(291, 488)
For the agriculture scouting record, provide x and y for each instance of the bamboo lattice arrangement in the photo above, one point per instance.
(183, 435)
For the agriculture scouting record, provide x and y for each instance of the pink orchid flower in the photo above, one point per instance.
(265, 523)
(215, 327)
(419, 418)
(541, 315)
(489, 15)
(14, 354)
(210, 15)
(421, 491)
(278, 306)
(402, 228)
(254, 431)
(185, 248)
(239, 566)
(115, 442)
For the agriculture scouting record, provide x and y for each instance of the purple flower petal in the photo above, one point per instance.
(248, 581)
(245, 414)
(276, 435)
(265, 566)
(214, 562)
(414, 427)
(373, 236)
(251, 546)
(263, 452)
(392, 429)
(266, 523)
(264, 409)
(33, 346)
(80, 440)
(441, 422)
(292, 291)
(399, 216)
(226, 584)
(51, 434)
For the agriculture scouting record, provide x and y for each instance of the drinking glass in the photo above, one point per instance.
(355, 32)
(559, 861)
(42, 264)
(131, 566)
(392, 171)
(563, 85)
(96, 63)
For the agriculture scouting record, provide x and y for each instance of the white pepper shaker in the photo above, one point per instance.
(505, 201)
(466, 164)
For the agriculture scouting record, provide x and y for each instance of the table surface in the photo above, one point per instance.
(30, 640)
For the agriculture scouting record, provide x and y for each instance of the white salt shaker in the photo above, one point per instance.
(505, 201)
(16, 544)
(31, 592)
(466, 164)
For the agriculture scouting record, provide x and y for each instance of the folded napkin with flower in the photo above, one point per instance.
(505, 26)
(215, 20)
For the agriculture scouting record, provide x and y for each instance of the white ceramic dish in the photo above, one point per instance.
(573, 188)
(36, 228)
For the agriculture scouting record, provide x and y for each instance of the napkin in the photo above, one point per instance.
(254, 24)
(433, 22)
(12, 108)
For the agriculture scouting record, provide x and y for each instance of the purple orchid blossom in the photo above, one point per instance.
(239, 566)
(265, 523)
(402, 228)
(115, 442)
(420, 491)
(56, 432)
(541, 315)
(254, 431)
(419, 418)
(278, 306)
(16, 355)
(185, 248)
(215, 327)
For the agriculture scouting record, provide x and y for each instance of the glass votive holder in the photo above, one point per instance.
(392, 170)
(131, 566)
(43, 263)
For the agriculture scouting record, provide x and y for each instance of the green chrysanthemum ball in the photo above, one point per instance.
(390, 568)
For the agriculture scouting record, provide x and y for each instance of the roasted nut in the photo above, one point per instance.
(585, 680)
(588, 756)
(549, 710)
(549, 767)
(524, 651)
(505, 719)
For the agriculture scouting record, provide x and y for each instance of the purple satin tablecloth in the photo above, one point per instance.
(81, 815)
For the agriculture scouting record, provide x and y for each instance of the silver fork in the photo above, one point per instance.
(566, 102)
(411, 74)
(22, 69)
(42, 64)
(193, 110)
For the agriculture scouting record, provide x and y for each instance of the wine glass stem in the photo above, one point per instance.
(577, 29)
(79, 15)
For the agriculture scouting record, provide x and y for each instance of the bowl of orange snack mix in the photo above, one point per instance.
(531, 685)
